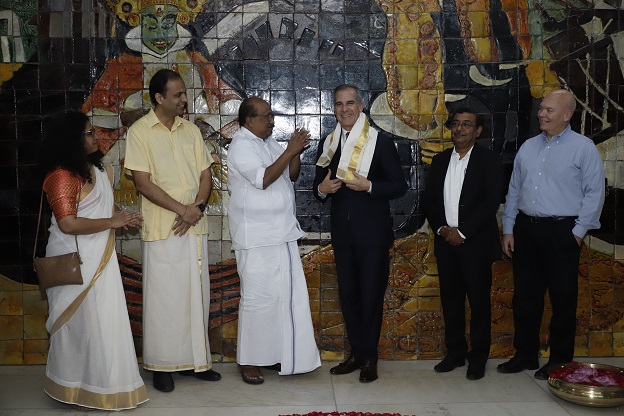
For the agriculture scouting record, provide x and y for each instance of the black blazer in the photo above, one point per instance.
(359, 215)
(478, 203)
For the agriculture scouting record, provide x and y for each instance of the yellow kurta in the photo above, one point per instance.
(175, 159)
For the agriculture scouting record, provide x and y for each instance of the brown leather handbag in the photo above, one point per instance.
(57, 270)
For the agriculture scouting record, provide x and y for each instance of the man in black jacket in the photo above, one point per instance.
(462, 197)
(358, 168)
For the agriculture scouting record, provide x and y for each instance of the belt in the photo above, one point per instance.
(544, 219)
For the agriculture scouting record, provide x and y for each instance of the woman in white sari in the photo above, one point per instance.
(91, 362)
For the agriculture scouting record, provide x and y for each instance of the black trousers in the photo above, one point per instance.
(546, 257)
(464, 272)
(362, 281)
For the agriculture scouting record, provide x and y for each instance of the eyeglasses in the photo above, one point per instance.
(89, 132)
(268, 117)
(465, 125)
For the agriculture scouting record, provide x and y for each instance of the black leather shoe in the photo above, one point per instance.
(163, 381)
(209, 375)
(368, 372)
(517, 364)
(348, 366)
(475, 371)
(449, 364)
(543, 373)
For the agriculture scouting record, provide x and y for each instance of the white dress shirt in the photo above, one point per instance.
(259, 217)
(453, 183)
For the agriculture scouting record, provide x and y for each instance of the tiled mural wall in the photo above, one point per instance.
(415, 60)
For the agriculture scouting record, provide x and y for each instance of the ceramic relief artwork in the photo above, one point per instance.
(414, 60)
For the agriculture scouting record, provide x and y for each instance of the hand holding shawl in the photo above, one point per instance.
(357, 153)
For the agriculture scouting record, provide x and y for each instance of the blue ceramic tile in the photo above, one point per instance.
(337, 6)
(331, 26)
(357, 74)
(306, 76)
(308, 101)
(281, 50)
(332, 75)
(307, 6)
(327, 101)
(356, 51)
(356, 26)
(308, 53)
(328, 124)
(282, 77)
(284, 125)
(306, 37)
(283, 102)
(257, 76)
(282, 6)
(312, 123)
(309, 156)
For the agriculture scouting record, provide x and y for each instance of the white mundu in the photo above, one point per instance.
(176, 338)
(274, 321)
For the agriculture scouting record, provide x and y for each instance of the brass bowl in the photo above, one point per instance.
(593, 396)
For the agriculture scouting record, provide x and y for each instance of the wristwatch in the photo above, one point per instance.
(202, 207)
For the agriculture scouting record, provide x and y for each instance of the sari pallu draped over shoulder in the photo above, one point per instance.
(92, 360)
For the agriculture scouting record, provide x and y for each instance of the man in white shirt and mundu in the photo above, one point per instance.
(274, 323)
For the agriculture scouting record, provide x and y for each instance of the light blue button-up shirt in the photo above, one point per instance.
(563, 176)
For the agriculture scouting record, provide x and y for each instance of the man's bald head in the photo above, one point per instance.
(566, 97)
(555, 112)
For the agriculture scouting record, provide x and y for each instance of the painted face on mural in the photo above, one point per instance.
(173, 102)
(347, 109)
(159, 27)
(464, 131)
(555, 112)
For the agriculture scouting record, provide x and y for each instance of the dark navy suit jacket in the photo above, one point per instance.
(360, 215)
(479, 200)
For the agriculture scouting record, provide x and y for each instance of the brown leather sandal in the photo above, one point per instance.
(251, 374)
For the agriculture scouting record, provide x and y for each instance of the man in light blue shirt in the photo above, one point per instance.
(555, 196)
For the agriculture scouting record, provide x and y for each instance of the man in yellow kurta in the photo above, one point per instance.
(171, 169)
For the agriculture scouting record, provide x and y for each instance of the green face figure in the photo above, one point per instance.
(159, 27)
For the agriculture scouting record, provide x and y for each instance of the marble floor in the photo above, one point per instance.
(405, 387)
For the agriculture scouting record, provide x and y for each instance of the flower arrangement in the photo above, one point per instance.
(578, 373)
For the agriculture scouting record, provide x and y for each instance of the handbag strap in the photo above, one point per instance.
(71, 309)
(39, 223)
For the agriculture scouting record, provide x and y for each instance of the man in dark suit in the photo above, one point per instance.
(358, 168)
(462, 197)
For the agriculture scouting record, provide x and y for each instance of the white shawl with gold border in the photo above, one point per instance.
(357, 153)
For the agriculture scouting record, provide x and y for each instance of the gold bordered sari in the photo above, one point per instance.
(92, 360)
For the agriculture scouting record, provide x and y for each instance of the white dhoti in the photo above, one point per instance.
(176, 303)
(274, 322)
